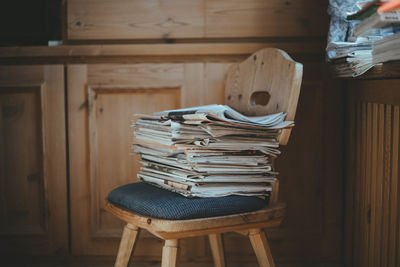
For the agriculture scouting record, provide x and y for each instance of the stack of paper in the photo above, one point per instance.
(350, 59)
(350, 53)
(377, 20)
(387, 49)
(208, 151)
(373, 15)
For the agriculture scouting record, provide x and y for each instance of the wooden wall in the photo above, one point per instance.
(174, 19)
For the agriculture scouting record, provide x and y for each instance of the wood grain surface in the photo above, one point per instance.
(373, 180)
(151, 19)
(33, 160)
(267, 82)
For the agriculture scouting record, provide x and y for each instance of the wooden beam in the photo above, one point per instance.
(198, 49)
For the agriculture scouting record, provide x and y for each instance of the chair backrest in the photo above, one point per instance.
(267, 82)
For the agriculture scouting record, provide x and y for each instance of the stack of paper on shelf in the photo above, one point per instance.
(373, 15)
(386, 49)
(350, 59)
(208, 151)
(377, 20)
(370, 22)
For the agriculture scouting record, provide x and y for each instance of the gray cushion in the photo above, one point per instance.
(152, 201)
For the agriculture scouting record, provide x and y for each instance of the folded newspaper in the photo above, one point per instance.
(209, 151)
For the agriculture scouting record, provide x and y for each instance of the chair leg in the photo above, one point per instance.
(169, 253)
(128, 239)
(261, 248)
(217, 249)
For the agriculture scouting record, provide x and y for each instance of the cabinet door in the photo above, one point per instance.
(102, 99)
(33, 195)
(372, 186)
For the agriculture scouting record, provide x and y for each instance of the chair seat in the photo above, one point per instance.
(155, 202)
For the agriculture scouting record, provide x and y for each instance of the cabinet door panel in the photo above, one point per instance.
(372, 217)
(21, 161)
(111, 162)
(102, 100)
(32, 160)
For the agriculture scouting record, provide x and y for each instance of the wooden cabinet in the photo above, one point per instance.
(33, 185)
(373, 185)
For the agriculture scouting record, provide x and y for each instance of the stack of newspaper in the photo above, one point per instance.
(350, 49)
(350, 59)
(387, 49)
(208, 151)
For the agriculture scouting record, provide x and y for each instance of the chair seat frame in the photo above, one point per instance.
(249, 224)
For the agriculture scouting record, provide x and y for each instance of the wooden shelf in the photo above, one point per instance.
(151, 52)
(383, 71)
(388, 70)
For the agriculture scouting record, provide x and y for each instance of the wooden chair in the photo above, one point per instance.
(266, 82)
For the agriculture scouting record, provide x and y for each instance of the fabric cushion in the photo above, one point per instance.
(152, 201)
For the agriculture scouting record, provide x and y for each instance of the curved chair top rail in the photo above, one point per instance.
(266, 82)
